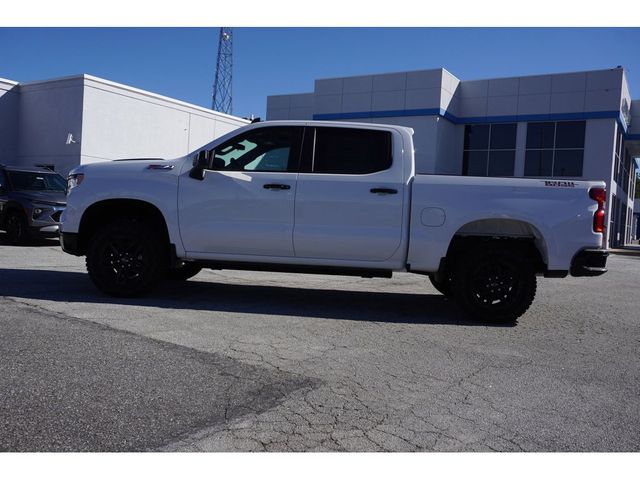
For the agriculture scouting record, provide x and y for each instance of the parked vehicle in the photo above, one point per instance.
(331, 197)
(31, 202)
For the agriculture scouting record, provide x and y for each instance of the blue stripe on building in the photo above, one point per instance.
(427, 112)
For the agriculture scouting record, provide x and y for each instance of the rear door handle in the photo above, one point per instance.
(385, 191)
(277, 186)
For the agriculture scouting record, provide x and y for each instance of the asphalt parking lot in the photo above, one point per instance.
(244, 361)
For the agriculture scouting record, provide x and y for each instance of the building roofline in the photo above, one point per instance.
(91, 78)
(548, 74)
(6, 81)
(475, 79)
(159, 97)
(387, 73)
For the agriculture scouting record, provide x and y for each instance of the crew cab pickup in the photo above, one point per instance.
(332, 198)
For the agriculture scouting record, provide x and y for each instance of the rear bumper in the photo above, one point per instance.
(69, 243)
(589, 262)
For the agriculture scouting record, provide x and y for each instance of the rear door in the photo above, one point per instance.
(245, 203)
(349, 199)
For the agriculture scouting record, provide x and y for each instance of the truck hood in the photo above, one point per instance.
(125, 164)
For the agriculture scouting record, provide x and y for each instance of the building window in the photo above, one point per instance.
(489, 150)
(554, 149)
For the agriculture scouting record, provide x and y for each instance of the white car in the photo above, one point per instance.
(331, 197)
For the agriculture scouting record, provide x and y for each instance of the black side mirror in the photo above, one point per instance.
(200, 163)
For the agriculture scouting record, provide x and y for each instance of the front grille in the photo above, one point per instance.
(56, 215)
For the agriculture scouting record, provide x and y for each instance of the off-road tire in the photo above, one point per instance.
(444, 287)
(184, 271)
(494, 283)
(126, 258)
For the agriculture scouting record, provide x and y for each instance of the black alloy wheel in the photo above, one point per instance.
(495, 284)
(125, 258)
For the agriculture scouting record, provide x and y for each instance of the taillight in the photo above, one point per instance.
(600, 196)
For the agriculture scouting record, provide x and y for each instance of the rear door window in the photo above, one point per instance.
(351, 151)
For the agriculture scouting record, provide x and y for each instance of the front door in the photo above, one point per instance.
(244, 205)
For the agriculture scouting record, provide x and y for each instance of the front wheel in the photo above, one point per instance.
(443, 286)
(495, 284)
(126, 258)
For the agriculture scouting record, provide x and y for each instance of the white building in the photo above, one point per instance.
(69, 121)
(578, 125)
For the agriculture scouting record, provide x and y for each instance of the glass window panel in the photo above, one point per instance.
(570, 134)
(503, 135)
(476, 137)
(351, 151)
(568, 163)
(475, 163)
(272, 161)
(262, 149)
(538, 163)
(540, 134)
(501, 163)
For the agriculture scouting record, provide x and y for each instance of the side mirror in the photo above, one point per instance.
(200, 163)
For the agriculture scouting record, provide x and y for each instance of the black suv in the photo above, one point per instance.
(31, 202)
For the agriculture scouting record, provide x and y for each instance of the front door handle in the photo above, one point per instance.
(277, 186)
(384, 191)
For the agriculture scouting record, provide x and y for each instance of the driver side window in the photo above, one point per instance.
(269, 149)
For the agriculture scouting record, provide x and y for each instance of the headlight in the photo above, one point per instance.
(39, 211)
(74, 180)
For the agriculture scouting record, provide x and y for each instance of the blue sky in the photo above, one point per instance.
(180, 62)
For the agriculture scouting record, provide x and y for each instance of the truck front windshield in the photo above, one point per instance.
(37, 181)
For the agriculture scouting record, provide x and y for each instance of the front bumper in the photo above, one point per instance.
(69, 243)
(589, 262)
(47, 231)
(48, 224)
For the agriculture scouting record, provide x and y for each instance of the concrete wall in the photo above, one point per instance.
(286, 107)
(8, 122)
(49, 111)
(121, 121)
(576, 92)
(599, 150)
(396, 98)
(107, 121)
(634, 129)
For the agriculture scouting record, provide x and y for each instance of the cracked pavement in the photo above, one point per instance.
(314, 363)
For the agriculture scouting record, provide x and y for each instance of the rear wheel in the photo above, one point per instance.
(126, 258)
(495, 284)
(17, 229)
(184, 271)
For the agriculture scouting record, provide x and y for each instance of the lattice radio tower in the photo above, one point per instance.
(224, 68)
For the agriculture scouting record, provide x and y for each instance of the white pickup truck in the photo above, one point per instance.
(332, 198)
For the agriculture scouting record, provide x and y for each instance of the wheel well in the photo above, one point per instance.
(105, 212)
(508, 233)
